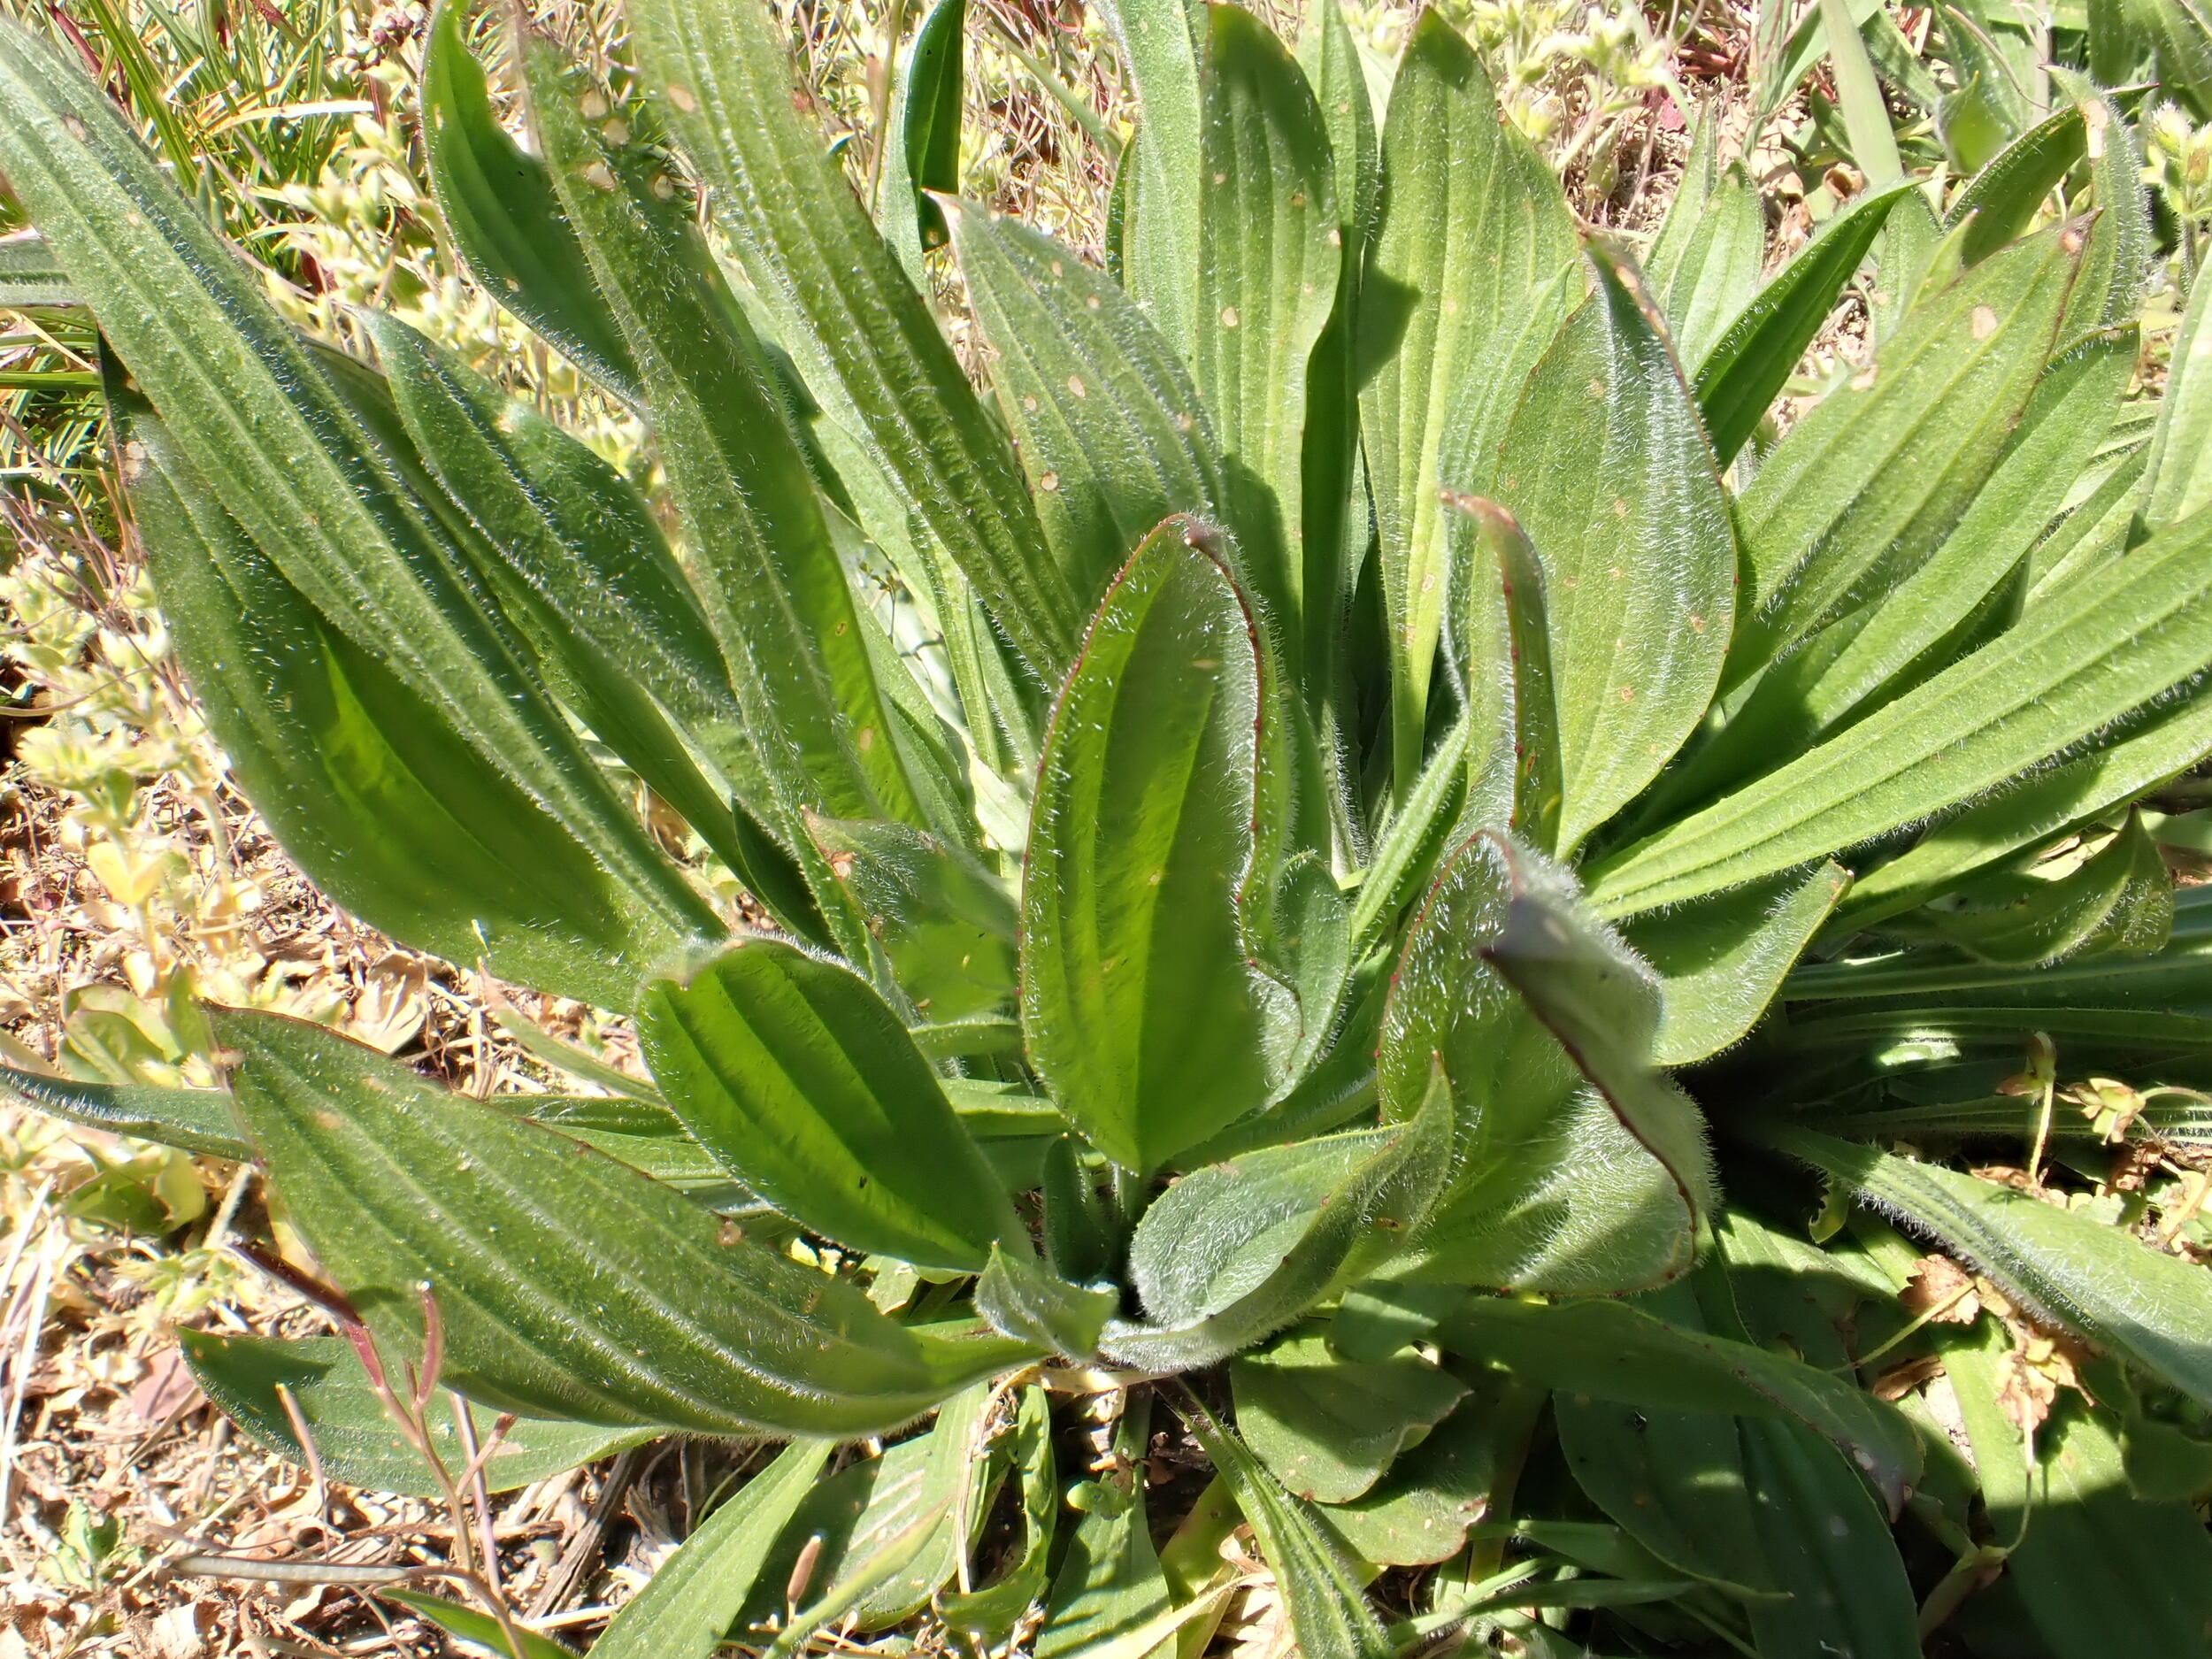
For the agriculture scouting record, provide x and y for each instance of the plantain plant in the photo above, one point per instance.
(1274, 861)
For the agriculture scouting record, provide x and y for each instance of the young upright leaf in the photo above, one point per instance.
(1746, 367)
(1703, 268)
(504, 216)
(844, 308)
(1576, 1168)
(1111, 431)
(1468, 269)
(2070, 668)
(1610, 476)
(1506, 564)
(1138, 1003)
(1158, 42)
(922, 149)
(566, 1285)
(1268, 258)
(1867, 483)
(802, 1083)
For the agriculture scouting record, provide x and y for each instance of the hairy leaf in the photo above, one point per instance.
(566, 1285)
(802, 1083)
(1138, 1007)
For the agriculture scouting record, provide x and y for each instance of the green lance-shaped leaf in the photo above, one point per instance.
(865, 341)
(2066, 418)
(573, 528)
(1468, 269)
(571, 551)
(1720, 964)
(921, 153)
(504, 214)
(1138, 1003)
(2180, 467)
(1112, 433)
(1830, 1549)
(1745, 367)
(2150, 1309)
(566, 1285)
(1270, 252)
(1869, 481)
(356, 1440)
(2087, 1545)
(1158, 44)
(1328, 1427)
(268, 434)
(1703, 267)
(1612, 1350)
(2005, 196)
(1950, 604)
(2070, 668)
(1610, 476)
(1328, 1609)
(685, 1609)
(803, 1084)
(362, 782)
(1235, 1252)
(195, 1119)
(1578, 1167)
(779, 592)
(30, 275)
(2043, 808)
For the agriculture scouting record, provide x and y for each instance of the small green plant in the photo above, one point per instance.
(1372, 775)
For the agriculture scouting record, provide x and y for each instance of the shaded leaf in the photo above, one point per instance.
(1328, 1427)
(356, 1442)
